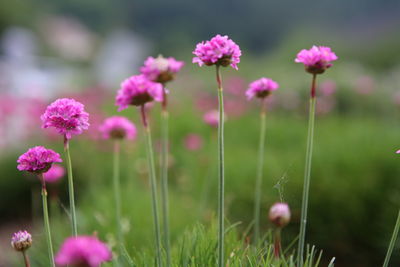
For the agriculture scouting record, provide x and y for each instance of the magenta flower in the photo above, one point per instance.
(279, 214)
(118, 127)
(161, 69)
(138, 90)
(83, 251)
(54, 174)
(37, 159)
(317, 59)
(21, 240)
(220, 50)
(261, 88)
(67, 116)
(193, 142)
(211, 118)
(398, 151)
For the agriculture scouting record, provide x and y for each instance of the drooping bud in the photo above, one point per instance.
(279, 214)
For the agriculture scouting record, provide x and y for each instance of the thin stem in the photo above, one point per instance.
(153, 185)
(71, 189)
(117, 195)
(46, 220)
(277, 243)
(221, 230)
(392, 241)
(307, 172)
(164, 176)
(26, 259)
(258, 184)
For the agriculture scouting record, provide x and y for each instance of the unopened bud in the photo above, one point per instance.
(279, 214)
(21, 240)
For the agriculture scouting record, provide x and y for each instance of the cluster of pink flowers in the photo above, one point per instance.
(21, 240)
(261, 88)
(67, 116)
(118, 127)
(211, 118)
(220, 50)
(54, 174)
(138, 90)
(83, 251)
(317, 59)
(161, 69)
(37, 159)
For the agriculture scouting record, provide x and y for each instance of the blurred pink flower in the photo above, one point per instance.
(193, 142)
(328, 88)
(83, 251)
(54, 174)
(161, 69)
(138, 90)
(398, 151)
(279, 214)
(211, 118)
(235, 107)
(261, 88)
(220, 50)
(325, 105)
(317, 59)
(117, 127)
(67, 116)
(37, 159)
(364, 85)
(235, 85)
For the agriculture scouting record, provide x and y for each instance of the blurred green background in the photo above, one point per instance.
(83, 49)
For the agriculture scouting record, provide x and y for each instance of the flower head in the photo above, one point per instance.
(220, 50)
(211, 118)
(21, 240)
(37, 159)
(317, 59)
(261, 88)
(279, 214)
(67, 116)
(193, 142)
(161, 69)
(118, 127)
(54, 174)
(83, 251)
(138, 90)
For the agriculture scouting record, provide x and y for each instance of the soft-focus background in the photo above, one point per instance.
(83, 49)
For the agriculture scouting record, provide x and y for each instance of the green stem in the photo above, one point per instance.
(164, 177)
(46, 221)
(221, 230)
(153, 185)
(26, 259)
(71, 189)
(117, 195)
(307, 172)
(257, 192)
(392, 241)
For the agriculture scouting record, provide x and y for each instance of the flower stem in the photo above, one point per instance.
(221, 230)
(164, 176)
(117, 195)
(71, 189)
(392, 241)
(46, 220)
(26, 259)
(307, 172)
(153, 185)
(257, 192)
(277, 243)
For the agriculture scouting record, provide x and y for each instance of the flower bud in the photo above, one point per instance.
(279, 214)
(21, 240)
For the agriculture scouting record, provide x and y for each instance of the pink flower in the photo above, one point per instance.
(398, 151)
(261, 88)
(118, 127)
(138, 90)
(317, 59)
(161, 69)
(67, 116)
(21, 240)
(37, 159)
(328, 88)
(193, 142)
(83, 251)
(220, 50)
(279, 214)
(211, 118)
(54, 174)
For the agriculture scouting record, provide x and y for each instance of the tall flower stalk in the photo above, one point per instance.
(137, 91)
(261, 89)
(392, 241)
(117, 195)
(219, 51)
(316, 60)
(71, 189)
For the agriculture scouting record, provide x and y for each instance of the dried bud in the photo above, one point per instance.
(279, 214)
(21, 240)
